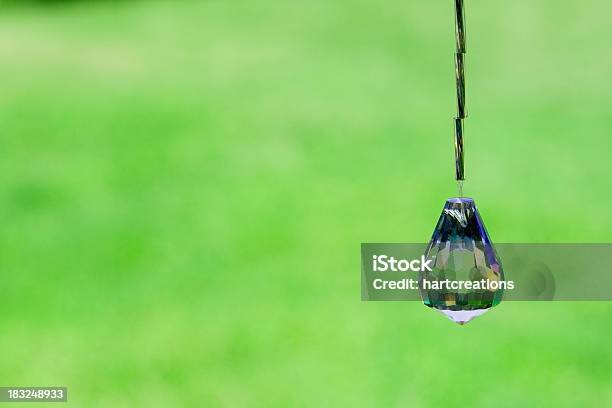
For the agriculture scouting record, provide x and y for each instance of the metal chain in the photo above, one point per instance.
(460, 77)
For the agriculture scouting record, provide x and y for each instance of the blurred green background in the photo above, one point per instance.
(185, 187)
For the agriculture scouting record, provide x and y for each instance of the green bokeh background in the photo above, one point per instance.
(185, 187)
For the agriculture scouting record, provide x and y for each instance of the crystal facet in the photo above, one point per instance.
(462, 252)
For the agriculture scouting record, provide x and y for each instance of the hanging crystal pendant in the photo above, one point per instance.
(462, 252)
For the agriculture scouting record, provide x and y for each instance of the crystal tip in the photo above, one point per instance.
(463, 317)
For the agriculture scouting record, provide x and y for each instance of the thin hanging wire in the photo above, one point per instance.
(460, 77)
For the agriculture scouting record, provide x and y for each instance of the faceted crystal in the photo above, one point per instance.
(462, 252)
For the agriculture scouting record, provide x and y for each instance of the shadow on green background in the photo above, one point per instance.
(186, 187)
